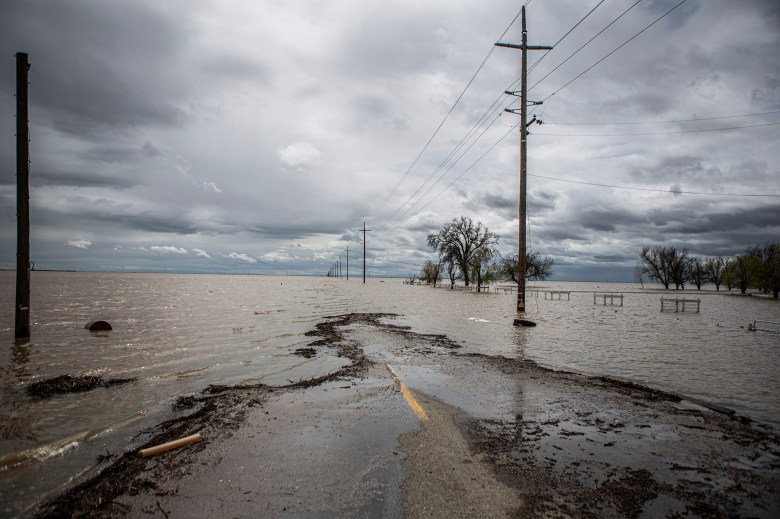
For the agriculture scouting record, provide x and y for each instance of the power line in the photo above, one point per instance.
(664, 122)
(615, 50)
(398, 221)
(452, 153)
(536, 63)
(441, 177)
(652, 189)
(473, 129)
(463, 173)
(585, 44)
(654, 133)
(414, 162)
(479, 124)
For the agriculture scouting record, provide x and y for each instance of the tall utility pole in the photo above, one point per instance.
(22, 200)
(347, 262)
(364, 231)
(340, 276)
(521, 255)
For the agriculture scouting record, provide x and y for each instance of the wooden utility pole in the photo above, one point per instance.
(22, 200)
(347, 262)
(364, 231)
(521, 255)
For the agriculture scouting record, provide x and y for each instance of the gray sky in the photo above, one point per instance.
(258, 136)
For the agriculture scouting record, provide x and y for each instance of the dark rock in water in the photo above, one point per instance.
(523, 322)
(98, 326)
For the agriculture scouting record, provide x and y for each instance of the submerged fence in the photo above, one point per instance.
(611, 298)
(764, 326)
(680, 305)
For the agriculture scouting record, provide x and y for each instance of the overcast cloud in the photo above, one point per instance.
(258, 136)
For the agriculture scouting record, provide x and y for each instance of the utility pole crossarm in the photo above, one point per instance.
(521, 47)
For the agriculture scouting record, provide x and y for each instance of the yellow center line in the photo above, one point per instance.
(413, 403)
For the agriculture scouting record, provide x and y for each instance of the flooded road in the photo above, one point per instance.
(414, 427)
(177, 334)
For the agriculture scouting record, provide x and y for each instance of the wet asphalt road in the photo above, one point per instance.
(426, 431)
(343, 449)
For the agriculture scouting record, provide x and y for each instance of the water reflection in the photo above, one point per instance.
(520, 340)
(20, 357)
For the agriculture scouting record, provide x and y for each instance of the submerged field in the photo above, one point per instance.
(179, 334)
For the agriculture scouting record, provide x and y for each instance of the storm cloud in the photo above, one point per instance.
(260, 136)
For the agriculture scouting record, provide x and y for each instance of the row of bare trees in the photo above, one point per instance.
(757, 267)
(468, 251)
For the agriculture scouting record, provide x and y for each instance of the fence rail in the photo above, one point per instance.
(761, 326)
(611, 298)
(680, 305)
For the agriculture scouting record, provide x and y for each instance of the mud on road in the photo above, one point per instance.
(550, 444)
(595, 447)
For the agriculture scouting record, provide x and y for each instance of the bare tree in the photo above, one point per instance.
(741, 271)
(696, 272)
(484, 270)
(460, 240)
(765, 266)
(536, 266)
(715, 270)
(653, 265)
(452, 272)
(638, 276)
(679, 267)
(665, 265)
(430, 272)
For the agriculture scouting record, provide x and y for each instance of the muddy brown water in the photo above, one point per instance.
(178, 333)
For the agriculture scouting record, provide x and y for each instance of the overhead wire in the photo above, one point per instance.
(554, 45)
(570, 181)
(417, 158)
(532, 67)
(667, 191)
(615, 50)
(674, 121)
(444, 174)
(475, 127)
(453, 152)
(585, 44)
(464, 172)
(655, 133)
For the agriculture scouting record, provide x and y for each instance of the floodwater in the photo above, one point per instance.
(179, 333)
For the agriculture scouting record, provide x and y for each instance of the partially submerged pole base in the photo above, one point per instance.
(523, 322)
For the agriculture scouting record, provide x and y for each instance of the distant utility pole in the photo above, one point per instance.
(340, 276)
(364, 231)
(22, 200)
(347, 262)
(521, 256)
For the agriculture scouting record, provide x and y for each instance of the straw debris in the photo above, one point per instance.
(69, 384)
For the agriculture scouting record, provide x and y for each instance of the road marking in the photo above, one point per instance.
(413, 403)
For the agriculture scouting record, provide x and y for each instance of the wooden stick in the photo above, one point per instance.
(181, 442)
